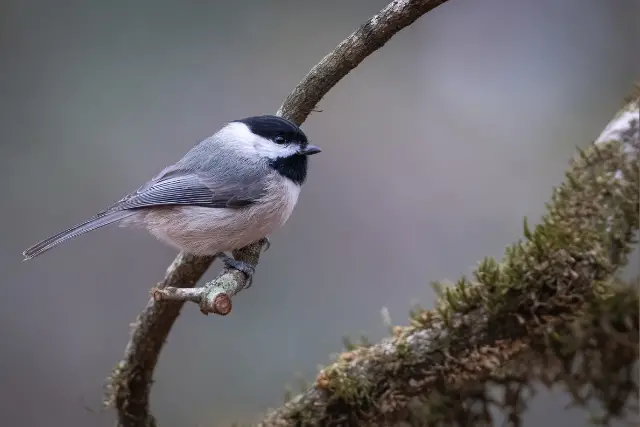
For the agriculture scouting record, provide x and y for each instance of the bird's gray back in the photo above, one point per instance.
(217, 160)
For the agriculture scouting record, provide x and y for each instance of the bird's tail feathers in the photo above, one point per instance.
(96, 222)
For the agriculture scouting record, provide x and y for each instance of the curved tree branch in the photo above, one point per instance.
(549, 300)
(130, 383)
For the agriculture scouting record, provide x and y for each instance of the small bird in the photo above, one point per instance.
(230, 190)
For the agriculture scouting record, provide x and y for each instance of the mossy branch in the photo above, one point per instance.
(129, 386)
(550, 302)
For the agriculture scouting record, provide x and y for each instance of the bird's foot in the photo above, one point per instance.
(247, 269)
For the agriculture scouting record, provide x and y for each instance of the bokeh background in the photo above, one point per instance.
(434, 150)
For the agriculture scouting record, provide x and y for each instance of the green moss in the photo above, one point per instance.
(557, 283)
(344, 387)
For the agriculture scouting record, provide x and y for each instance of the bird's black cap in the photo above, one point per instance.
(270, 127)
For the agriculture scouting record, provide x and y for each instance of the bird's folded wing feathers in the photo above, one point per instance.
(230, 189)
(193, 189)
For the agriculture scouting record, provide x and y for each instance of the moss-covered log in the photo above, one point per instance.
(550, 310)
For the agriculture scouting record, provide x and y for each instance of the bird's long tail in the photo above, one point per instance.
(97, 221)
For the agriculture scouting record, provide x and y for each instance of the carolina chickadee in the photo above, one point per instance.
(230, 190)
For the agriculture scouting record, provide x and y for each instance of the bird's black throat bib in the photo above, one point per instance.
(292, 167)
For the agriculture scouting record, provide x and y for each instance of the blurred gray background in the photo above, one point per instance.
(434, 150)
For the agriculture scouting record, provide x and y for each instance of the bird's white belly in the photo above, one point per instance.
(207, 231)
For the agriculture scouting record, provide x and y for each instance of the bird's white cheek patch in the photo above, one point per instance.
(271, 150)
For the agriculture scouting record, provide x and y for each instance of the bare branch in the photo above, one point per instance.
(535, 294)
(130, 383)
(371, 36)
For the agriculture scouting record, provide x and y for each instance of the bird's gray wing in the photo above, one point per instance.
(189, 187)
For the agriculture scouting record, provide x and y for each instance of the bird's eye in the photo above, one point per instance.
(279, 139)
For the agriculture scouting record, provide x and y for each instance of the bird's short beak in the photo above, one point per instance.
(309, 150)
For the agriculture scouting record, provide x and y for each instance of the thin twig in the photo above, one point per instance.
(215, 296)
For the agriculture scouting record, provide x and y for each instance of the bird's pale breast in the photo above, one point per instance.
(207, 231)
